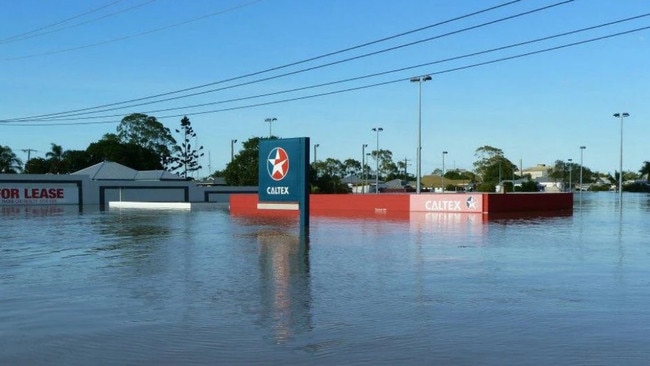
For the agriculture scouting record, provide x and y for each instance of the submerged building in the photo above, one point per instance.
(107, 181)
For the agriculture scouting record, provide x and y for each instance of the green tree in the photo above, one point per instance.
(327, 180)
(37, 166)
(563, 171)
(351, 166)
(147, 133)
(9, 162)
(218, 173)
(110, 148)
(384, 158)
(55, 158)
(630, 175)
(460, 175)
(529, 186)
(645, 170)
(329, 167)
(486, 187)
(243, 169)
(588, 176)
(492, 165)
(187, 157)
(75, 160)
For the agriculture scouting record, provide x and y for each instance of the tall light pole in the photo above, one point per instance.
(368, 155)
(582, 149)
(232, 149)
(363, 166)
(406, 161)
(503, 189)
(570, 180)
(377, 129)
(443, 171)
(315, 151)
(419, 80)
(270, 121)
(620, 161)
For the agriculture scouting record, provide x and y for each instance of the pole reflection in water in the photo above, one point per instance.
(285, 283)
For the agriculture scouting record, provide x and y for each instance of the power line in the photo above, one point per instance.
(87, 110)
(22, 35)
(455, 58)
(119, 39)
(400, 80)
(34, 35)
(277, 67)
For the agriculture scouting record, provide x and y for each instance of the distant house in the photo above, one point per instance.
(358, 185)
(108, 170)
(434, 182)
(352, 180)
(538, 171)
(397, 185)
(549, 185)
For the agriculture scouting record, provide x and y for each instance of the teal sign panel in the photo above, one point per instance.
(283, 170)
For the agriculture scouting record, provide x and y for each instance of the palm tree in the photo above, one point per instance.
(55, 157)
(9, 162)
(645, 170)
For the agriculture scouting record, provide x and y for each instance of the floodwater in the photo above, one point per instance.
(201, 287)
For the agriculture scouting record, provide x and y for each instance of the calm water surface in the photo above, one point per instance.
(134, 287)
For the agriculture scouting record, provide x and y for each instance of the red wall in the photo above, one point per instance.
(398, 204)
(361, 202)
(369, 203)
(511, 202)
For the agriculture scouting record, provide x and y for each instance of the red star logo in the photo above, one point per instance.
(278, 164)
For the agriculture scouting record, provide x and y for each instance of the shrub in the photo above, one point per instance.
(486, 187)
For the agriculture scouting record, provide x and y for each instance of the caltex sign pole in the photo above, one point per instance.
(283, 174)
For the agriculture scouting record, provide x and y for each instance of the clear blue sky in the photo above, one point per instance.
(63, 56)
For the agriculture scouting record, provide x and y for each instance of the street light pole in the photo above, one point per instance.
(232, 149)
(443, 171)
(570, 180)
(363, 166)
(503, 189)
(582, 149)
(419, 80)
(620, 161)
(368, 155)
(315, 152)
(377, 129)
(270, 121)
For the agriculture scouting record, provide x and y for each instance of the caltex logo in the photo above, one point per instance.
(278, 164)
(471, 202)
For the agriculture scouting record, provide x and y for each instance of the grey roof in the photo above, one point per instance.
(396, 183)
(351, 179)
(156, 175)
(108, 170)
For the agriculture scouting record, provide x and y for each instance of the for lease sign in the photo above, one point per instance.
(38, 194)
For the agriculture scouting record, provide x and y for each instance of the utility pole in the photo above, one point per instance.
(209, 163)
(406, 176)
(29, 152)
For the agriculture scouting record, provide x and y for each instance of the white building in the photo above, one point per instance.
(104, 182)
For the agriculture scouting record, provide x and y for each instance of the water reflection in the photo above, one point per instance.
(135, 250)
(532, 217)
(37, 211)
(209, 288)
(134, 233)
(285, 283)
